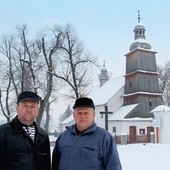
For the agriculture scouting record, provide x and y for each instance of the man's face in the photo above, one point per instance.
(84, 117)
(27, 111)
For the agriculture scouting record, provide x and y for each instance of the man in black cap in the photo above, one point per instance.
(84, 145)
(23, 144)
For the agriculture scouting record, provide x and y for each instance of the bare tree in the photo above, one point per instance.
(164, 82)
(24, 65)
(55, 56)
(167, 87)
(7, 73)
(49, 53)
(75, 64)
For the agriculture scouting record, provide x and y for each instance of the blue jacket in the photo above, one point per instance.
(95, 149)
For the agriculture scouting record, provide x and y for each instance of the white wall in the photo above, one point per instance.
(113, 104)
(164, 129)
(123, 126)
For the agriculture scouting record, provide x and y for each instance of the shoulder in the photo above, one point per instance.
(5, 126)
(64, 136)
(102, 130)
(103, 133)
(5, 130)
(41, 130)
(64, 133)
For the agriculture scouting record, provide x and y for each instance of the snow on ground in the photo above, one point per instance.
(144, 156)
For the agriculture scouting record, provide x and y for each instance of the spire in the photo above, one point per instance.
(138, 16)
(139, 31)
(103, 77)
(139, 36)
(103, 63)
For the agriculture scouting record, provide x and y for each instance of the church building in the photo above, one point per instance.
(123, 104)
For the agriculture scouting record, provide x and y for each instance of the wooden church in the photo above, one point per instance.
(129, 98)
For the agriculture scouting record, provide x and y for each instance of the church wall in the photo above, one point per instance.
(148, 83)
(99, 119)
(123, 126)
(141, 60)
(131, 63)
(117, 100)
(146, 61)
(113, 104)
(146, 102)
(142, 82)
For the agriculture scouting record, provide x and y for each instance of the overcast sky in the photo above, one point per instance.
(104, 26)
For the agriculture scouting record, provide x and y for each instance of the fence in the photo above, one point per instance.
(136, 139)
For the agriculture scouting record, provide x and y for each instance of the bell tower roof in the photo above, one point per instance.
(103, 77)
(139, 36)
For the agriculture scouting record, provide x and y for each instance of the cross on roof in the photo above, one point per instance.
(138, 16)
(106, 116)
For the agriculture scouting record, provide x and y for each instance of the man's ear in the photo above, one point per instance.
(94, 114)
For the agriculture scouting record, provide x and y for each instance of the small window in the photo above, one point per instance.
(114, 129)
(130, 83)
(140, 32)
(142, 131)
(150, 102)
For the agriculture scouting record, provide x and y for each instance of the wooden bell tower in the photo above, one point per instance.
(141, 78)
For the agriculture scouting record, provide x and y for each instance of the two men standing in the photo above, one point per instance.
(83, 146)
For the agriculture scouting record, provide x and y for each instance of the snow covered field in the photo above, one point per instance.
(144, 156)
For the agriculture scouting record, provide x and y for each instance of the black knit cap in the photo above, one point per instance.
(28, 95)
(84, 102)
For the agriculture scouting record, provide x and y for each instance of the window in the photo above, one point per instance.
(114, 129)
(150, 102)
(130, 83)
(142, 131)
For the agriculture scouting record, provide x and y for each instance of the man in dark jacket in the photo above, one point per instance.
(23, 144)
(84, 145)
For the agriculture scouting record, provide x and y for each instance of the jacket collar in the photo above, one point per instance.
(17, 128)
(91, 129)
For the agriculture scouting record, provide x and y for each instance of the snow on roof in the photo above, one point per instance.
(101, 95)
(141, 71)
(122, 112)
(139, 48)
(155, 94)
(161, 108)
(140, 40)
(138, 119)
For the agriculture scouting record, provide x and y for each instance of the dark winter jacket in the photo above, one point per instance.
(94, 149)
(19, 152)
